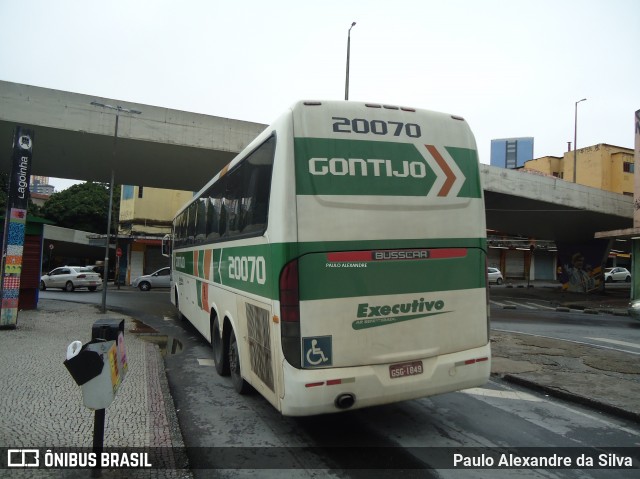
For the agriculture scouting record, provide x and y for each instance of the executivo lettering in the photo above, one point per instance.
(380, 315)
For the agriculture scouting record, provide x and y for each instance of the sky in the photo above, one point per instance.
(511, 68)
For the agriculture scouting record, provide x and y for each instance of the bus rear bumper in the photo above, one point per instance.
(322, 391)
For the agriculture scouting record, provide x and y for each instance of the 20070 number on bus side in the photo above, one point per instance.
(252, 269)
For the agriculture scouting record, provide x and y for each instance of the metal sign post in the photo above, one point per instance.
(15, 221)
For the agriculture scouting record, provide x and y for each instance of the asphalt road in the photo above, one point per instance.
(535, 312)
(251, 439)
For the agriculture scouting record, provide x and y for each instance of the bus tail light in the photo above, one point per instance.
(289, 300)
(290, 313)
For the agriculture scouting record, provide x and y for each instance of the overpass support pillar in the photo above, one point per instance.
(581, 265)
(635, 268)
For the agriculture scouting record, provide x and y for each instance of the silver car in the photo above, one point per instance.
(494, 275)
(69, 278)
(634, 309)
(159, 279)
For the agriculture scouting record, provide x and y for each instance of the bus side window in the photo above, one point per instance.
(201, 221)
(256, 202)
(191, 223)
(213, 217)
(257, 187)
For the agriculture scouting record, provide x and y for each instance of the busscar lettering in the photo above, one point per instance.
(400, 254)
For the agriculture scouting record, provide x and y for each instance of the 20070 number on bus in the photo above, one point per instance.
(377, 127)
(251, 269)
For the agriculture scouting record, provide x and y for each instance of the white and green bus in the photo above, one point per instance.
(339, 261)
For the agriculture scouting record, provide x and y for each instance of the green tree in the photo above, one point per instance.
(4, 192)
(83, 207)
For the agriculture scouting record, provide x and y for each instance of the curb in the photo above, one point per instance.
(576, 398)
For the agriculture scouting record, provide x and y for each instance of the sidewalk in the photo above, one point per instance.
(601, 378)
(42, 405)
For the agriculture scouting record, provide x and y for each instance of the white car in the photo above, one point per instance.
(494, 275)
(158, 279)
(634, 309)
(617, 274)
(69, 278)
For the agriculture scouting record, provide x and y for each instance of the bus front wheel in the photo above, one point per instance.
(240, 385)
(220, 349)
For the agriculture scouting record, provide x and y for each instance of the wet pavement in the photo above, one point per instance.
(602, 378)
(42, 405)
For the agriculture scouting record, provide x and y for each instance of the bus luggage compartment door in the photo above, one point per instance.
(386, 306)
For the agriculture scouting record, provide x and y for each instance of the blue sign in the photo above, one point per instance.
(317, 352)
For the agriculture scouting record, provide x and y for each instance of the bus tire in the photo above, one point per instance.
(240, 385)
(220, 348)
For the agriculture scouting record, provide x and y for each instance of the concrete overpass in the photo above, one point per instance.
(543, 207)
(173, 149)
(160, 147)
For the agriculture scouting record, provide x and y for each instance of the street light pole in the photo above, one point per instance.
(118, 110)
(346, 86)
(575, 139)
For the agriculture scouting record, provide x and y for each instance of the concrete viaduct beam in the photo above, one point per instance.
(173, 149)
(160, 148)
(550, 208)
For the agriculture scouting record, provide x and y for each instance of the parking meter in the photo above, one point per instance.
(101, 365)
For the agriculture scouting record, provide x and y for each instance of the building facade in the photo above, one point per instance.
(602, 166)
(41, 186)
(511, 152)
(146, 215)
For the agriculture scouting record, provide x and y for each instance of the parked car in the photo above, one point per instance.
(158, 279)
(634, 309)
(69, 278)
(617, 274)
(100, 270)
(494, 275)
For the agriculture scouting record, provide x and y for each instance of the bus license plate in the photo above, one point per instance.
(405, 369)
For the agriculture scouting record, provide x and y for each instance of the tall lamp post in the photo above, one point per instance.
(575, 139)
(118, 109)
(346, 86)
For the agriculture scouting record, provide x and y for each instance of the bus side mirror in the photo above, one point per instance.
(166, 246)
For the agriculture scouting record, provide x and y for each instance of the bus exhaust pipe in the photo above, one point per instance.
(345, 401)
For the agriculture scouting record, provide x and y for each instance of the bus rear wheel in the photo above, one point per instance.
(240, 385)
(220, 349)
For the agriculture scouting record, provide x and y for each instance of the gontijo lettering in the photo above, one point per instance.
(368, 167)
(365, 310)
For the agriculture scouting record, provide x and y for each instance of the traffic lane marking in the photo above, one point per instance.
(518, 395)
(543, 306)
(615, 341)
(520, 304)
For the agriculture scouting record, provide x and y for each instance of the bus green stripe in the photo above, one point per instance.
(374, 168)
(467, 161)
(319, 280)
(264, 263)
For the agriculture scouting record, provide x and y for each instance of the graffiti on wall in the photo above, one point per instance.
(580, 267)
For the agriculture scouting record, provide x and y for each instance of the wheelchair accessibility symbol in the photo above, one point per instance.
(317, 351)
